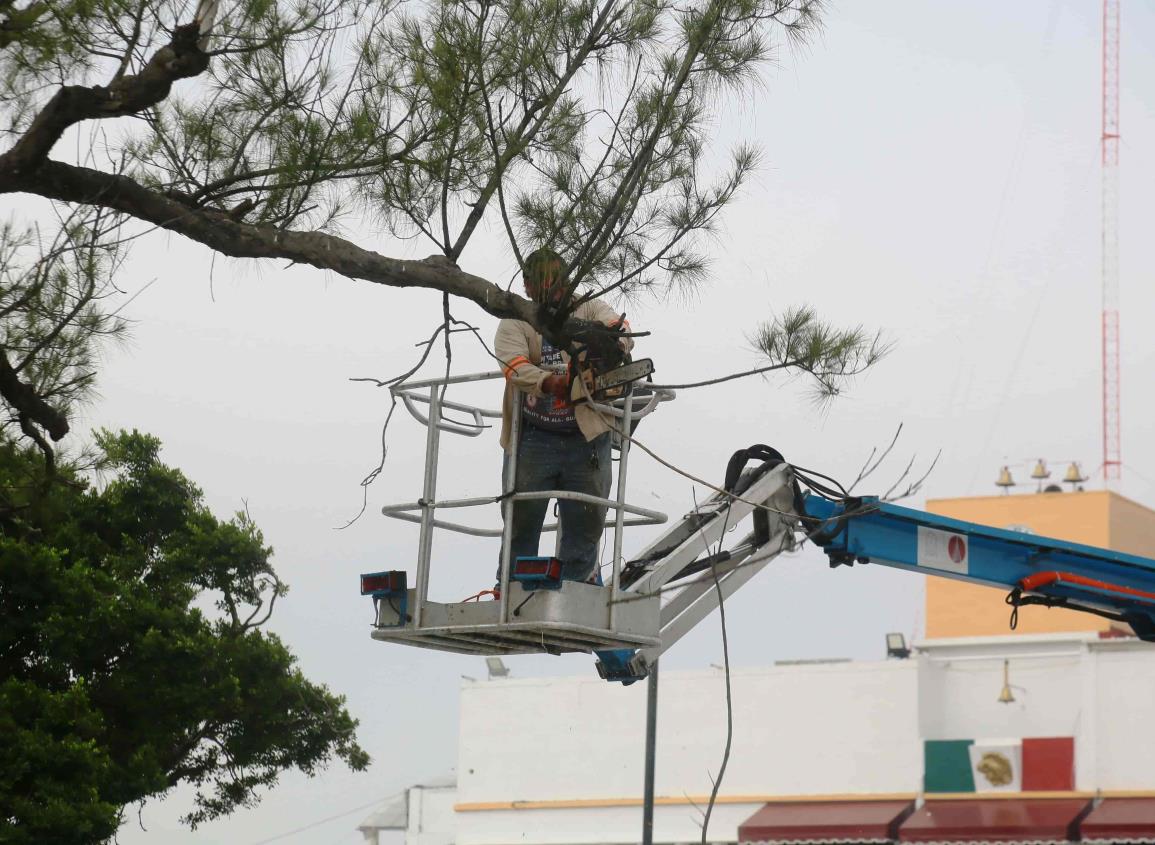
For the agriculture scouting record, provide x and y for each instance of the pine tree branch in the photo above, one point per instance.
(624, 197)
(237, 239)
(181, 58)
(29, 406)
(532, 122)
(33, 434)
(18, 21)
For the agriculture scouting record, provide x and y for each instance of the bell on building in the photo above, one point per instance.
(1040, 471)
(1005, 481)
(1074, 474)
(1006, 696)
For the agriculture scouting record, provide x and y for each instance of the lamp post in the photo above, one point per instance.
(651, 747)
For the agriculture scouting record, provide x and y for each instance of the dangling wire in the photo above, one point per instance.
(1014, 599)
(725, 664)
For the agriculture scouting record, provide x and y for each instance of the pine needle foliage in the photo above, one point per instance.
(799, 340)
(52, 318)
(273, 128)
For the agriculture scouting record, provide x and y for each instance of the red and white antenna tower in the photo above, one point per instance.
(1112, 446)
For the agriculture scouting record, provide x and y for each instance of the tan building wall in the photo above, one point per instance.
(1132, 527)
(1097, 518)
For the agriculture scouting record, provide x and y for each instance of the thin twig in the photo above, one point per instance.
(729, 702)
(867, 467)
(754, 372)
(915, 486)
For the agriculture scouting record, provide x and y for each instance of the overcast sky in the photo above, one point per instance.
(932, 170)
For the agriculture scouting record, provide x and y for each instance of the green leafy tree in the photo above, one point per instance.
(117, 680)
(265, 129)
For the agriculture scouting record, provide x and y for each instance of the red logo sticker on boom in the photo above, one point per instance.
(945, 551)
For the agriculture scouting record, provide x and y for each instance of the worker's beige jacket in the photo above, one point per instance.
(518, 346)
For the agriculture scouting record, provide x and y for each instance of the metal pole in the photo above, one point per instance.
(428, 500)
(620, 515)
(508, 482)
(651, 747)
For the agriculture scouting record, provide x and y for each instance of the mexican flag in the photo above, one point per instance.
(1033, 764)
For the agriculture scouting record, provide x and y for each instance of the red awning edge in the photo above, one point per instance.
(1124, 820)
(1004, 820)
(850, 822)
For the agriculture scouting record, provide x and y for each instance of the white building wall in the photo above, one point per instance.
(1098, 691)
(1124, 718)
(961, 684)
(844, 727)
(574, 741)
(432, 819)
(559, 761)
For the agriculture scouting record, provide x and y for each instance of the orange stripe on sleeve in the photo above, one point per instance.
(513, 364)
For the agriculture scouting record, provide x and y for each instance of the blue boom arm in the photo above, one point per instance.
(1033, 569)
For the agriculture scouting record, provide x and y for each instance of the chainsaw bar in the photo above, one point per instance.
(610, 385)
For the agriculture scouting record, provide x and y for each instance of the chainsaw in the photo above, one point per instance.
(599, 363)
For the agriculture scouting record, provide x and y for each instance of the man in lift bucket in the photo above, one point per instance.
(563, 445)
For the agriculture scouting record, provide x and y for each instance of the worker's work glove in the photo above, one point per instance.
(556, 385)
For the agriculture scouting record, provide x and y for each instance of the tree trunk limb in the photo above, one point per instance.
(27, 403)
(181, 58)
(234, 238)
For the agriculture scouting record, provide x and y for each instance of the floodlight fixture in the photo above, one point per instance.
(896, 646)
(496, 667)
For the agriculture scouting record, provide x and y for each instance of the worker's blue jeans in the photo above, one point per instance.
(549, 460)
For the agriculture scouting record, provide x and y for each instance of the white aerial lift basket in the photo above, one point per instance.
(575, 617)
(662, 592)
(666, 589)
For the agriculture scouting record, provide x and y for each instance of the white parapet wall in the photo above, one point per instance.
(1122, 747)
(1099, 691)
(423, 814)
(561, 761)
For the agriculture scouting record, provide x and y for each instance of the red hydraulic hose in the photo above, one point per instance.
(1042, 579)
